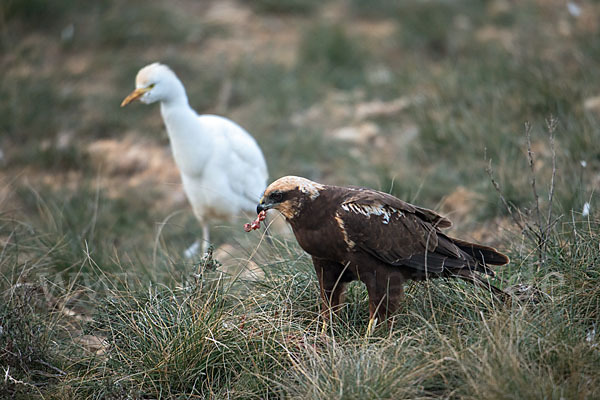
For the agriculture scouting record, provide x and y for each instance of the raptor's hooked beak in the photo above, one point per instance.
(263, 206)
(136, 94)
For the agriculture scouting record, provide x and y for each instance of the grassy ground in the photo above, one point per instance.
(433, 101)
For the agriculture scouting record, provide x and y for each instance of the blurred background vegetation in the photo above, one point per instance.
(417, 98)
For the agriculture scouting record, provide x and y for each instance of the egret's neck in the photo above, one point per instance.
(177, 98)
(190, 144)
(175, 108)
(178, 117)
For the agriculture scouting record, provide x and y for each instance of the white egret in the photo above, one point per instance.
(222, 168)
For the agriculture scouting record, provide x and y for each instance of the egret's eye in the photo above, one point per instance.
(151, 85)
(276, 196)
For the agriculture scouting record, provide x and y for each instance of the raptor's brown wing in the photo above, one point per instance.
(397, 232)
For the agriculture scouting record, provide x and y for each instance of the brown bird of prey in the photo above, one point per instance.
(363, 234)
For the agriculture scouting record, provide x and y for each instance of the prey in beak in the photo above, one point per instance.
(261, 210)
(256, 223)
(136, 94)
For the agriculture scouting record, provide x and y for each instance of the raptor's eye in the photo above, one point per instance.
(276, 196)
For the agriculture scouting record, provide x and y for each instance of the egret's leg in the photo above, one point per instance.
(205, 238)
(192, 250)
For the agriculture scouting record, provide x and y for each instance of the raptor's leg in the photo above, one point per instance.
(332, 283)
(386, 292)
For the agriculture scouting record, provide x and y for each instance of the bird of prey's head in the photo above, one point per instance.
(288, 194)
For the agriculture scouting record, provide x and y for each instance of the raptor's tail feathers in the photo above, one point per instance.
(483, 254)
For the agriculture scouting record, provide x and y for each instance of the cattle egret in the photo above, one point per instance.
(222, 167)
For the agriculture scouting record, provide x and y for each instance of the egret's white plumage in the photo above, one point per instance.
(222, 168)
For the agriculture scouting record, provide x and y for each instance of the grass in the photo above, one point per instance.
(97, 300)
(212, 336)
(286, 6)
(329, 51)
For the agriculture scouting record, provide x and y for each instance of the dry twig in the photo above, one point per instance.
(538, 229)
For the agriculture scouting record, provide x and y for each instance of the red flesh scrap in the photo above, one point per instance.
(256, 223)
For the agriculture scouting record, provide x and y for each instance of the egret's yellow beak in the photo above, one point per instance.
(136, 94)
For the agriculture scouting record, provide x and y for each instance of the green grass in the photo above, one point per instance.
(97, 301)
(329, 51)
(35, 11)
(301, 7)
